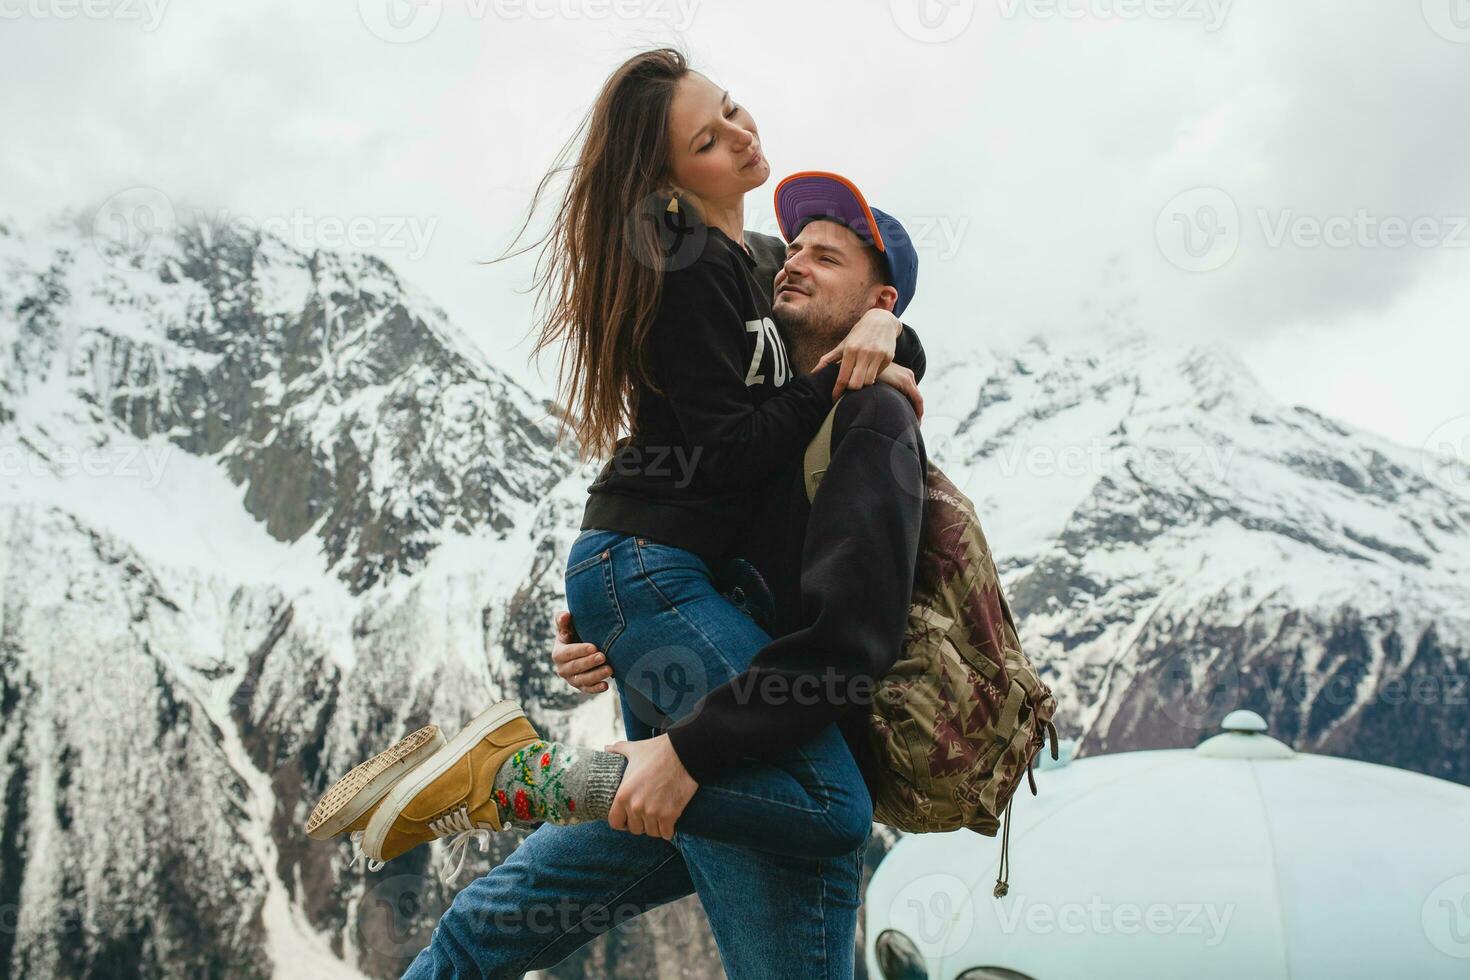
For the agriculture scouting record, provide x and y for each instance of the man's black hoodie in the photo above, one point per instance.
(842, 572)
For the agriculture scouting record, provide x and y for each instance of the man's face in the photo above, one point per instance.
(828, 281)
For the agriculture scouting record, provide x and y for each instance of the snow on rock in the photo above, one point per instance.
(263, 511)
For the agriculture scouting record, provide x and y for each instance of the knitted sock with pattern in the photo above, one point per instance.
(557, 783)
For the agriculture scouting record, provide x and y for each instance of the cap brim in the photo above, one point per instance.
(819, 194)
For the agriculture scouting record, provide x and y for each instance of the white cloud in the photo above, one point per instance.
(1037, 146)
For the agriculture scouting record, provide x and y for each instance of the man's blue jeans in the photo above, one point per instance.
(670, 637)
(774, 917)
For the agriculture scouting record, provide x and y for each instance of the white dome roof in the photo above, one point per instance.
(1236, 859)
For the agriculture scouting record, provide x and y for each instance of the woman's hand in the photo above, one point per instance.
(655, 788)
(900, 377)
(579, 664)
(865, 351)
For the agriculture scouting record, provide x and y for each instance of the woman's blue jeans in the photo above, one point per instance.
(671, 636)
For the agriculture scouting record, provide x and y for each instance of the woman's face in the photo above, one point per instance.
(715, 150)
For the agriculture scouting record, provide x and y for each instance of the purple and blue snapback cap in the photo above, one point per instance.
(812, 194)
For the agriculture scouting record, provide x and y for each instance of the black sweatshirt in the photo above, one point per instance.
(730, 414)
(842, 571)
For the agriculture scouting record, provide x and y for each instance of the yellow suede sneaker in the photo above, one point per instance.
(350, 801)
(452, 793)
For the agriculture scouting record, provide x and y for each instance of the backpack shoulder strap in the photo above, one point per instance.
(819, 455)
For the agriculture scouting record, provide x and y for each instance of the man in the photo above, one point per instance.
(840, 571)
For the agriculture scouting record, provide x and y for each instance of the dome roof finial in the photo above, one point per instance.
(1243, 736)
(1243, 720)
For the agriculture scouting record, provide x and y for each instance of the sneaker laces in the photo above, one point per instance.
(358, 854)
(458, 823)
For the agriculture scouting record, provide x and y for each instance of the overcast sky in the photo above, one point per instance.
(1285, 176)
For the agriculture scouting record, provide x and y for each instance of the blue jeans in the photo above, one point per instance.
(670, 637)
(774, 917)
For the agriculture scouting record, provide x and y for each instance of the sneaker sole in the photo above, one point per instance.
(357, 792)
(435, 766)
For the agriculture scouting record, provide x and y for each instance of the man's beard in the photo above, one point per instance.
(816, 326)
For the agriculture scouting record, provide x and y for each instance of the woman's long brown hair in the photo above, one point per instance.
(599, 274)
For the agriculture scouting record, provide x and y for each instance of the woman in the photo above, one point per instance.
(648, 285)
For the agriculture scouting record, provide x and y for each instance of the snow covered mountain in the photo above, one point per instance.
(1180, 544)
(263, 510)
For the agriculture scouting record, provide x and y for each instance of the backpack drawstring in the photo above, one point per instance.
(1001, 884)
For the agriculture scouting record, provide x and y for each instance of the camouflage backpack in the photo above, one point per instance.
(961, 716)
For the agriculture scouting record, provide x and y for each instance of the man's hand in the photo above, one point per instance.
(579, 664)
(655, 788)
(865, 351)
(897, 376)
